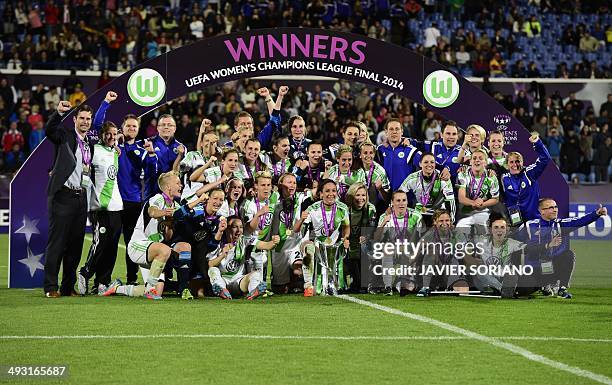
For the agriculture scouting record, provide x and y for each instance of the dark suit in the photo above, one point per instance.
(67, 210)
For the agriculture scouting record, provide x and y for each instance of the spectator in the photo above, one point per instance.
(588, 43)
(532, 27)
(519, 70)
(11, 137)
(554, 141)
(481, 67)
(497, 66)
(77, 97)
(14, 158)
(571, 155)
(601, 160)
(533, 71)
(606, 106)
(431, 35)
(35, 117)
(541, 126)
(36, 136)
(462, 57)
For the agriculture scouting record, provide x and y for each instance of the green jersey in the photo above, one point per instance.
(326, 221)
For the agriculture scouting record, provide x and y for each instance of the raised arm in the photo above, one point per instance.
(536, 169)
(53, 129)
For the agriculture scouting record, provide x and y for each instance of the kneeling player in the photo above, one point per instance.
(226, 264)
(146, 248)
(439, 245)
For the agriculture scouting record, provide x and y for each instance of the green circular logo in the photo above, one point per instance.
(146, 87)
(441, 88)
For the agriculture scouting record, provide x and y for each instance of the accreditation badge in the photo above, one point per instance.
(85, 179)
(547, 267)
(515, 216)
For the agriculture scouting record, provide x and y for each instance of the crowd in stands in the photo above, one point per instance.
(535, 38)
(490, 38)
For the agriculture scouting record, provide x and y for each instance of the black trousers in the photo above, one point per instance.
(67, 218)
(129, 217)
(103, 251)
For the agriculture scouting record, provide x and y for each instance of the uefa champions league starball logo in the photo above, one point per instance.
(502, 121)
(146, 87)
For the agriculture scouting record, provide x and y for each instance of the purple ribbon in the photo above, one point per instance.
(84, 152)
(328, 227)
(402, 230)
(474, 193)
(424, 198)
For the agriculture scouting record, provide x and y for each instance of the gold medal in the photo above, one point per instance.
(328, 241)
(288, 232)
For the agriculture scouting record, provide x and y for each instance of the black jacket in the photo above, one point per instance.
(65, 142)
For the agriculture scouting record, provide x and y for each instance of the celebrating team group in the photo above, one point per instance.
(272, 205)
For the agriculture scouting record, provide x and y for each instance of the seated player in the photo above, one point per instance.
(327, 222)
(235, 192)
(429, 189)
(477, 192)
(399, 223)
(438, 242)
(148, 247)
(497, 249)
(556, 262)
(227, 263)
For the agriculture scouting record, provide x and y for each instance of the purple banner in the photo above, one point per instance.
(285, 51)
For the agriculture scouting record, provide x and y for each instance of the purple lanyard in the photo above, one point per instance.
(310, 174)
(169, 201)
(342, 186)
(424, 198)
(298, 145)
(282, 168)
(248, 169)
(474, 193)
(289, 216)
(369, 178)
(84, 152)
(402, 230)
(328, 227)
(262, 218)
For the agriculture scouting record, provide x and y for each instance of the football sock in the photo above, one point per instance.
(157, 267)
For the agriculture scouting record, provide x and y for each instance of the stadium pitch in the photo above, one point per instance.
(291, 339)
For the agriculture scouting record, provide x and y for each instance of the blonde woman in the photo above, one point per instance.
(362, 216)
(473, 140)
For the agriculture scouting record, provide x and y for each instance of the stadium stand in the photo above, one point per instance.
(523, 39)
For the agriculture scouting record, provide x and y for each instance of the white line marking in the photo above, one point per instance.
(90, 239)
(278, 337)
(492, 341)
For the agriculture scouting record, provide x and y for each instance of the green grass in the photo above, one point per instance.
(178, 360)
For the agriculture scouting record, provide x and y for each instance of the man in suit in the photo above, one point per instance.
(67, 197)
